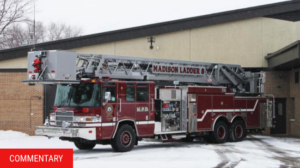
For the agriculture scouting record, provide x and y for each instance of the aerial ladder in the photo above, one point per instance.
(57, 66)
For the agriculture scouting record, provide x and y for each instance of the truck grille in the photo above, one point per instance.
(61, 116)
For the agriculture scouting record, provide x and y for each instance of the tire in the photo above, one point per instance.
(238, 131)
(220, 133)
(84, 144)
(124, 140)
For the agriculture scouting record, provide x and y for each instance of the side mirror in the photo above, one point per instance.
(107, 96)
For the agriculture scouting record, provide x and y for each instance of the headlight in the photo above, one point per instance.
(87, 119)
(79, 119)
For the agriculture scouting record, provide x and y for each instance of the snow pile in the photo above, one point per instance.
(10, 135)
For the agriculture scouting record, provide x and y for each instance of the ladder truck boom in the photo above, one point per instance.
(69, 67)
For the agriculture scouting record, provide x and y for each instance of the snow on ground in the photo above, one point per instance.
(255, 151)
(9, 135)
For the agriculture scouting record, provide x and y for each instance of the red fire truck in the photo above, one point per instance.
(117, 100)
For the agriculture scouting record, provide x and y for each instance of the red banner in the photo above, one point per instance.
(36, 158)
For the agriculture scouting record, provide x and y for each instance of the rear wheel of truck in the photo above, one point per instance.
(238, 131)
(124, 140)
(220, 133)
(84, 144)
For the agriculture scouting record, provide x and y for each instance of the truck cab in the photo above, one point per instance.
(92, 111)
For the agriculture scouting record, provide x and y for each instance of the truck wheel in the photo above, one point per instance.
(124, 140)
(238, 131)
(84, 144)
(220, 133)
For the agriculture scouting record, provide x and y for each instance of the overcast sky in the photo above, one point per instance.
(96, 16)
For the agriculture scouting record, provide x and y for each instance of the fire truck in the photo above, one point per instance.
(118, 100)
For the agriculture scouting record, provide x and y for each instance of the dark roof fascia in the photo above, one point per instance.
(291, 46)
(14, 70)
(285, 59)
(258, 69)
(156, 29)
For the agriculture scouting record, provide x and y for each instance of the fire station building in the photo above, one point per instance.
(263, 38)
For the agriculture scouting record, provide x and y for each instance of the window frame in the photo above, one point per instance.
(107, 86)
(142, 85)
(131, 86)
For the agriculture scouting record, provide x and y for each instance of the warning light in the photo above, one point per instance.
(90, 131)
(85, 110)
(30, 72)
(52, 71)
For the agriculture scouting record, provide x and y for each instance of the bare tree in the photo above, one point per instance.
(23, 34)
(12, 11)
(16, 30)
(37, 34)
(57, 31)
(18, 35)
(13, 36)
(74, 31)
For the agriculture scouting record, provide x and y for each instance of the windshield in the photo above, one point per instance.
(78, 95)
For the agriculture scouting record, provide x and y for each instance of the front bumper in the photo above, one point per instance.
(85, 133)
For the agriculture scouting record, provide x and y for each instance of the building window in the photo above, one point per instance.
(297, 77)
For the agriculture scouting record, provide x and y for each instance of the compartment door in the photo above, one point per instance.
(192, 112)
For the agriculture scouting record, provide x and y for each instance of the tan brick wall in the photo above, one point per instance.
(278, 84)
(21, 106)
(295, 123)
(295, 93)
(282, 85)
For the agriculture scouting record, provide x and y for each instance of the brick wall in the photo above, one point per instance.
(21, 106)
(278, 84)
(282, 85)
(295, 93)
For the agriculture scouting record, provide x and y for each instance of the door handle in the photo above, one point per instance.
(152, 104)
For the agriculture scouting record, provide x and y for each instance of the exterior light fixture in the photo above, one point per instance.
(151, 40)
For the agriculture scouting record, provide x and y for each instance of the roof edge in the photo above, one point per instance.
(284, 49)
